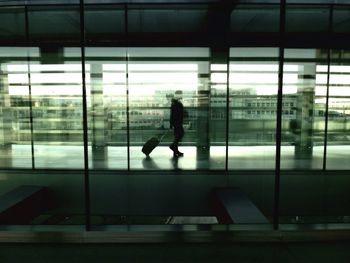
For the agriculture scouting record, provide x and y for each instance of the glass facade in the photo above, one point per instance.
(304, 106)
(338, 104)
(253, 85)
(107, 108)
(230, 82)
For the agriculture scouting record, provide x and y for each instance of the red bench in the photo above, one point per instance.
(23, 204)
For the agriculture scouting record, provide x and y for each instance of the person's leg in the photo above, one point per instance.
(178, 134)
(175, 144)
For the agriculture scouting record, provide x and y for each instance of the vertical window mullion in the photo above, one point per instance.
(31, 124)
(326, 112)
(327, 91)
(279, 117)
(127, 85)
(227, 108)
(85, 126)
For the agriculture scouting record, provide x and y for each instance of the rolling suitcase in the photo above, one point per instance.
(151, 143)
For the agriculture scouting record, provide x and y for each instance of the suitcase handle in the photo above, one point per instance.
(165, 133)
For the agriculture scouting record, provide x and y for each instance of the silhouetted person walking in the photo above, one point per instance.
(176, 120)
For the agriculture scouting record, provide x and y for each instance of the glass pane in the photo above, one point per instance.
(255, 18)
(111, 22)
(307, 18)
(54, 23)
(56, 85)
(107, 107)
(167, 18)
(338, 141)
(252, 113)
(253, 85)
(218, 113)
(15, 126)
(303, 112)
(341, 19)
(156, 76)
(320, 198)
(12, 26)
(49, 198)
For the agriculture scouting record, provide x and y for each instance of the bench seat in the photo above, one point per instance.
(232, 206)
(23, 204)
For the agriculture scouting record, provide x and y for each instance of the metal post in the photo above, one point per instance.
(279, 117)
(85, 116)
(326, 113)
(127, 85)
(29, 88)
(227, 111)
(327, 92)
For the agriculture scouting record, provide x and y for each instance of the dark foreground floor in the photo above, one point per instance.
(334, 252)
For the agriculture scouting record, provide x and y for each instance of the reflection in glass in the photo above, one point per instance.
(253, 83)
(111, 22)
(306, 197)
(152, 83)
(107, 118)
(217, 124)
(307, 18)
(303, 112)
(12, 26)
(338, 139)
(55, 107)
(167, 18)
(15, 126)
(255, 18)
(56, 86)
(54, 23)
(341, 19)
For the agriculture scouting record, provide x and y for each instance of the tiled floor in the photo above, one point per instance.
(239, 158)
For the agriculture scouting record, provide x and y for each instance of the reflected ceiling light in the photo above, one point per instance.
(339, 91)
(113, 67)
(218, 77)
(18, 78)
(19, 90)
(59, 67)
(339, 79)
(146, 67)
(254, 67)
(17, 68)
(254, 78)
(157, 77)
(46, 90)
(114, 77)
(290, 68)
(321, 68)
(163, 67)
(321, 79)
(340, 69)
(47, 67)
(54, 78)
(59, 90)
(218, 67)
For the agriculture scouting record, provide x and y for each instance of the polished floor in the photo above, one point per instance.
(113, 157)
(242, 252)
